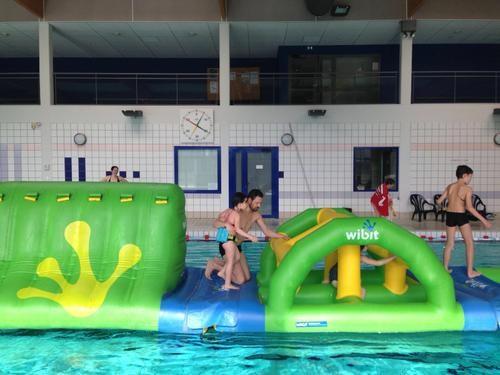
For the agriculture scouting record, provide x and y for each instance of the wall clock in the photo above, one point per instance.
(287, 139)
(496, 139)
(197, 126)
(80, 139)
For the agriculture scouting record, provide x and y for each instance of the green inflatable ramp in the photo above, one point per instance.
(88, 255)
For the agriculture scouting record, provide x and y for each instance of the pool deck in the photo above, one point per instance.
(201, 229)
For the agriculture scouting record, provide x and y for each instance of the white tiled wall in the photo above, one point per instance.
(147, 148)
(20, 151)
(133, 146)
(438, 147)
(326, 151)
(433, 140)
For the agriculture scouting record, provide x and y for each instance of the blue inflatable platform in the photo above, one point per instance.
(480, 300)
(199, 303)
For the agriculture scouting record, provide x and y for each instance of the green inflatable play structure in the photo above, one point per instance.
(112, 256)
(88, 255)
(295, 297)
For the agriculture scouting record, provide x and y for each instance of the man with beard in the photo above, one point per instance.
(248, 217)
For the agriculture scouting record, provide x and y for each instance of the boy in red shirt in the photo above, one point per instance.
(381, 200)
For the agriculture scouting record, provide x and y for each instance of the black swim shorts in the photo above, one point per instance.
(334, 272)
(223, 252)
(454, 219)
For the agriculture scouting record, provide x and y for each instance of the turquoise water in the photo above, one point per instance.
(487, 253)
(105, 352)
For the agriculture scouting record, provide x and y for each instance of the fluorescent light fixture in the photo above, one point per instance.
(340, 10)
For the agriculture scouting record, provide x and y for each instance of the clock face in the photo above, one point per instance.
(80, 139)
(287, 139)
(496, 139)
(197, 125)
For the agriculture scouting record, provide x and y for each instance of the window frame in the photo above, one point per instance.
(392, 148)
(176, 168)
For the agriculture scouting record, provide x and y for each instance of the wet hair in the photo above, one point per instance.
(113, 167)
(463, 169)
(237, 198)
(254, 193)
(390, 181)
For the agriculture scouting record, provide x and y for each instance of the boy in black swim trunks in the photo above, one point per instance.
(459, 195)
(228, 224)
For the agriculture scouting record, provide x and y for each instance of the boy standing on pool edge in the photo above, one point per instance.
(459, 195)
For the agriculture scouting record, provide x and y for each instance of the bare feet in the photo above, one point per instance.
(221, 273)
(449, 270)
(230, 286)
(473, 274)
(325, 282)
(209, 269)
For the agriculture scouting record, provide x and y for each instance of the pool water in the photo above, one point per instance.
(105, 352)
(487, 253)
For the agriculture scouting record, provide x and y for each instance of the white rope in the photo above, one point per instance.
(311, 196)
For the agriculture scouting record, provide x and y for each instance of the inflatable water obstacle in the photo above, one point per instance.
(112, 256)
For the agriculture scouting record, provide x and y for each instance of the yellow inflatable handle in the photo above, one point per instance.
(394, 272)
(349, 274)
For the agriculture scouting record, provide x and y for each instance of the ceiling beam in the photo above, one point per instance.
(34, 6)
(412, 7)
(223, 9)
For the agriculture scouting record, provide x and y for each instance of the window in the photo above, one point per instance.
(197, 169)
(372, 165)
(336, 79)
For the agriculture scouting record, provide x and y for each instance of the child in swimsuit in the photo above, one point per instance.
(231, 219)
(459, 195)
(381, 200)
(333, 274)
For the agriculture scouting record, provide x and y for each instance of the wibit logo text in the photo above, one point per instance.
(368, 232)
(362, 234)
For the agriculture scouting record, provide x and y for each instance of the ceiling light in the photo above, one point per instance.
(340, 10)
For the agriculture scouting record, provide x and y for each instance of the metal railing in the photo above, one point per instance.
(316, 88)
(263, 88)
(19, 88)
(456, 87)
(202, 88)
(136, 88)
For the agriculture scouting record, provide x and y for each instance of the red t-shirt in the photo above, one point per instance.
(381, 200)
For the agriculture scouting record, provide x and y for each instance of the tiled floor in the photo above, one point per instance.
(430, 228)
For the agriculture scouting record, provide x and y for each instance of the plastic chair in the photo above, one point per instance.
(480, 207)
(440, 209)
(422, 207)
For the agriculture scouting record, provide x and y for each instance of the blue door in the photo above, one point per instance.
(256, 168)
